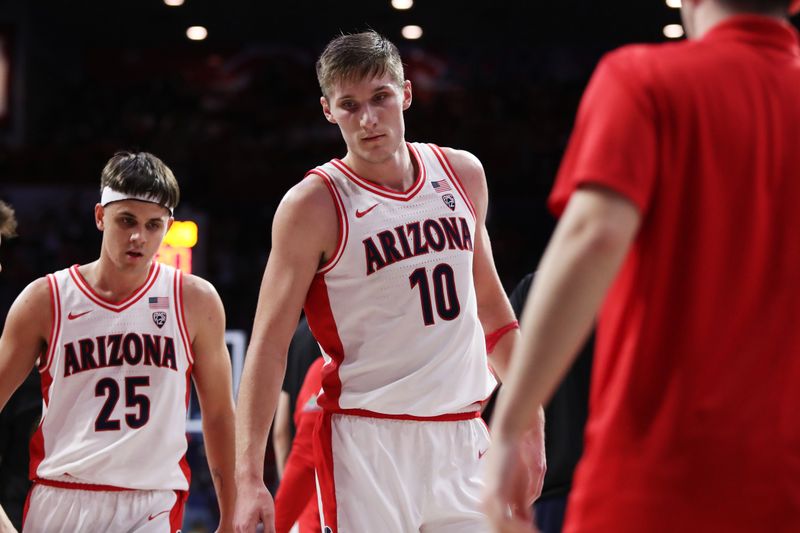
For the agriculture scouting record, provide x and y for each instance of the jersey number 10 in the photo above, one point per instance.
(444, 291)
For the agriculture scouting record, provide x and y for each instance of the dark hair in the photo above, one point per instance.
(142, 174)
(356, 57)
(8, 222)
(759, 6)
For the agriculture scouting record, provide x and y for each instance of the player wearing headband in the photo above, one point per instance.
(116, 342)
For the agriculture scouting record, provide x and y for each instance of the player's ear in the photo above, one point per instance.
(326, 109)
(406, 94)
(99, 212)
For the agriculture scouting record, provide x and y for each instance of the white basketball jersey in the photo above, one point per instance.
(115, 385)
(394, 310)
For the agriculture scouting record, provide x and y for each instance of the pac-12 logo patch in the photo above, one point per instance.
(449, 201)
(160, 318)
(328, 529)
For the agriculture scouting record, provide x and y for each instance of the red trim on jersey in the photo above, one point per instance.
(177, 287)
(451, 173)
(36, 445)
(176, 513)
(117, 307)
(323, 462)
(184, 463)
(55, 325)
(323, 326)
(79, 486)
(449, 417)
(380, 190)
(343, 230)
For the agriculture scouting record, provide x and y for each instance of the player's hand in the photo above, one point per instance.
(513, 481)
(254, 506)
(533, 455)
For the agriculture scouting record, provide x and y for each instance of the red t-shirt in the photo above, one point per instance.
(296, 499)
(695, 404)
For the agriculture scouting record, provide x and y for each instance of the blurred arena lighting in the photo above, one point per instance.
(411, 32)
(182, 233)
(674, 3)
(196, 33)
(673, 31)
(173, 3)
(402, 4)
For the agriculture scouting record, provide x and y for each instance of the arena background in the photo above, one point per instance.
(237, 117)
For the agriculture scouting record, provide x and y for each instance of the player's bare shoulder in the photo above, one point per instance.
(202, 305)
(310, 196)
(30, 308)
(469, 170)
(307, 217)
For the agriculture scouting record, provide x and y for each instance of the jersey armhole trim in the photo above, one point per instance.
(55, 325)
(182, 329)
(343, 230)
(451, 173)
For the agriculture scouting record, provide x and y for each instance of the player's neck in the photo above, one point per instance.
(111, 282)
(710, 14)
(398, 172)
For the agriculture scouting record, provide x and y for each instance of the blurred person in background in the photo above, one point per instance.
(678, 201)
(296, 499)
(564, 420)
(8, 229)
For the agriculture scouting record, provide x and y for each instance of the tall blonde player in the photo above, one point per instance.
(387, 250)
(117, 341)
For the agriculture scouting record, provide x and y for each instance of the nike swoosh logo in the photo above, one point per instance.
(71, 316)
(482, 453)
(153, 516)
(360, 214)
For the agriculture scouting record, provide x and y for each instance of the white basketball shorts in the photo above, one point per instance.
(401, 476)
(65, 510)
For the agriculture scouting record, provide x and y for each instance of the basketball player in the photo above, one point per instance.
(8, 228)
(388, 252)
(117, 341)
(678, 195)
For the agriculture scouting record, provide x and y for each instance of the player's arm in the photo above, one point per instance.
(23, 340)
(212, 379)
(281, 438)
(304, 234)
(5, 523)
(583, 257)
(25, 336)
(494, 309)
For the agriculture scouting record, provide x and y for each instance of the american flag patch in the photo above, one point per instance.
(441, 186)
(158, 302)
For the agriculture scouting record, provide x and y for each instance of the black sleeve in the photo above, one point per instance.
(520, 294)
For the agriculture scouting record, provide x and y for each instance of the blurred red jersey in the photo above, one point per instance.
(296, 500)
(693, 418)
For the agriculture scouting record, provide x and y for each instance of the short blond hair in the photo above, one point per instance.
(358, 56)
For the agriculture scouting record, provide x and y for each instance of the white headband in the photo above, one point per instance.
(110, 195)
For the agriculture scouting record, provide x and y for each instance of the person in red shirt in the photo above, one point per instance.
(678, 198)
(296, 500)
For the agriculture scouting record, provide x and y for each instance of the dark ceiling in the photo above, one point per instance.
(147, 23)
